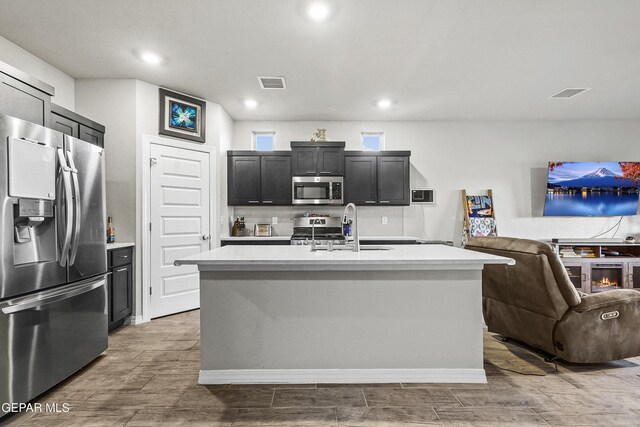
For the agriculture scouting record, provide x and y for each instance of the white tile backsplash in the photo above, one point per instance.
(370, 218)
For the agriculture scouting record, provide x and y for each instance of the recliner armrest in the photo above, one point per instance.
(606, 299)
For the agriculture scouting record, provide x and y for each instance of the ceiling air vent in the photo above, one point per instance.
(272, 82)
(569, 92)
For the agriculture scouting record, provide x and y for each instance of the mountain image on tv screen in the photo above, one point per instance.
(592, 189)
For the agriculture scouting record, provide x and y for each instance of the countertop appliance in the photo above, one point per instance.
(326, 229)
(262, 230)
(53, 292)
(317, 190)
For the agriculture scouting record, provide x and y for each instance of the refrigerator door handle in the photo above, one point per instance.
(67, 223)
(37, 303)
(77, 213)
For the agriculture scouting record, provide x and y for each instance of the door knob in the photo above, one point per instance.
(206, 237)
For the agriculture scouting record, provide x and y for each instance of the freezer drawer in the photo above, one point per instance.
(46, 337)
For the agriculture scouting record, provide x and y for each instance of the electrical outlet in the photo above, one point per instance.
(384, 220)
(274, 220)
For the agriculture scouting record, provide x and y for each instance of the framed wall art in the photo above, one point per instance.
(182, 116)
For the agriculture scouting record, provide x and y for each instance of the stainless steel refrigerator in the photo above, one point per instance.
(53, 294)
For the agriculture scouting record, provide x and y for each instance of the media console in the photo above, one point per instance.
(598, 266)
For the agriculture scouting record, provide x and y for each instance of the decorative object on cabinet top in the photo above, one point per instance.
(182, 116)
(320, 135)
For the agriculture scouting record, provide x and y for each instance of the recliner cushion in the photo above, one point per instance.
(533, 247)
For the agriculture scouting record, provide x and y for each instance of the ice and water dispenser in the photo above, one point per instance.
(32, 182)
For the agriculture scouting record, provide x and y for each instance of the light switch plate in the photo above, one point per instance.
(274, 220)
(384, 220)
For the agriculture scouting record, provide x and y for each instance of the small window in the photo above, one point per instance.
(263, 141)
(373, 141)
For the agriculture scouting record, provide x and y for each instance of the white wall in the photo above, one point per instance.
(24, 61)
(509, 157)
(112, 102)
(129, 110)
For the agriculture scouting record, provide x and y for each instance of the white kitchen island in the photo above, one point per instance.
(284, 314)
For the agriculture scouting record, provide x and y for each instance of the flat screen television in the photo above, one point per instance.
(592, 189)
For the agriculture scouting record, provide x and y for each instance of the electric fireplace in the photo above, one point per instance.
(606, 276)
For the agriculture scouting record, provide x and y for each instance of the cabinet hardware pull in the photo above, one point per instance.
(370, 201)
(310, 172)
(254, 201)
(121, 270)
(324, 173)
(267, 201)
(385, 201)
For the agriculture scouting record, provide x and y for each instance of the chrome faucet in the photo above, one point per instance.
(354, 232)
(313, 235)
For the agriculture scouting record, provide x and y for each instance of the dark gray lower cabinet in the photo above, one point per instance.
(257, 178)
(120, 303)
(285, 241)
(377, 179)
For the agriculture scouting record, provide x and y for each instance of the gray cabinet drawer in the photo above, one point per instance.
(120, 257)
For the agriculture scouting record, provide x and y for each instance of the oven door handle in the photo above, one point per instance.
(50, 299)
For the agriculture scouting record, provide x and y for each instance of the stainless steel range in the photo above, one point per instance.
(325, 229)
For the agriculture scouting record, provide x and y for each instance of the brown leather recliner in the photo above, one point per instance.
(534, 302)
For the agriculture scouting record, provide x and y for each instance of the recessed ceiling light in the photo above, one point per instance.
(250, 103)
(384, 103)
(318, 12)
(151, 58)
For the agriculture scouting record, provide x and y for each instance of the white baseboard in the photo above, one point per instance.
(136, 320)
(341, 376)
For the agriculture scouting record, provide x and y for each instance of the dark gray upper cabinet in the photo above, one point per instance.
(258, 178)
(380, 179)
(317, 158)
(64, 125)
(243, 180)
(305, 161)
(73, 124)
(275, 182)
(331, 161)
(24, 97)
(393, 180)
(360, 180)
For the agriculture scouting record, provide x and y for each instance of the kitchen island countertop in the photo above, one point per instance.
(284, 258)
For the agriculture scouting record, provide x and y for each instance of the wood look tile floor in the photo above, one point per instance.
(148, 377)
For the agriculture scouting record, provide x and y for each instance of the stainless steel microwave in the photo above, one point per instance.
(317, 190)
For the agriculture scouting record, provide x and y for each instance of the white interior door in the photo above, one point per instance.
(179, 212)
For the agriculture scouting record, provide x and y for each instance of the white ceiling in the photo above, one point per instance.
(436, 59)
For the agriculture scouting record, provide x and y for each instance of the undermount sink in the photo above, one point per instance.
(350, 249)
(374, 248)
